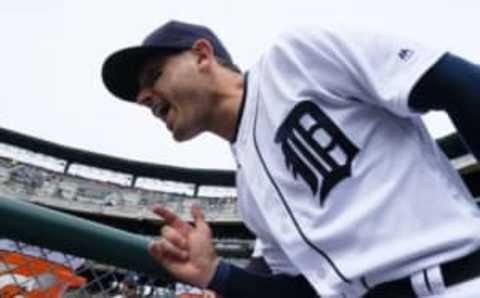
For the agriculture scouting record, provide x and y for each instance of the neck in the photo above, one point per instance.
(229, 100)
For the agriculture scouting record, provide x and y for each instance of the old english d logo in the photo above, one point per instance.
(315, 148)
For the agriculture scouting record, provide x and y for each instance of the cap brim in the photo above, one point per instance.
(121, 69)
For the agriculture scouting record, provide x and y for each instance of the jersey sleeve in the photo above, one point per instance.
(373, 68)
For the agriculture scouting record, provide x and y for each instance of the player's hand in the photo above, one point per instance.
(184, 250)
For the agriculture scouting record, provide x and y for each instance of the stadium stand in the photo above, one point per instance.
(119, 193)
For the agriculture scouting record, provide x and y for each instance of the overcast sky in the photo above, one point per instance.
(52, 51)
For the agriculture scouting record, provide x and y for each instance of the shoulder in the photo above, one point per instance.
(303, 34)
(298, 45)
(297, 42)
(319, 40)
(325, 33)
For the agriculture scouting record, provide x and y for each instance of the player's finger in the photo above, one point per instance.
(167, 215)
(163, 250)
(171, 219)
(174, 251)
(174, 237)
(155, 249)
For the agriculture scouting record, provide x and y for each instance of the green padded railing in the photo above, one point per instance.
(54, 230)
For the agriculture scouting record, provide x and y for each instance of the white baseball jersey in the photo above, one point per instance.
(337, 176)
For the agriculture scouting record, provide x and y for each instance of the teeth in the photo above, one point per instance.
(160, 110)
(164, 110)
(157, 110)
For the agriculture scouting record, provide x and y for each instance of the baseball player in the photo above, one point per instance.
(337, 176)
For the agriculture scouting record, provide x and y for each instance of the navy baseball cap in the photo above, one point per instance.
(121, 69)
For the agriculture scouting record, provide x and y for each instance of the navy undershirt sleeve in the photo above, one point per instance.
(452, 85)
(234, 282)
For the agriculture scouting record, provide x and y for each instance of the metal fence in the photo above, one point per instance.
(32, 271)
(36, 272)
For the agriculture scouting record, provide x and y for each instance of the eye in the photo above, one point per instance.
(149, 76)
(152, 77)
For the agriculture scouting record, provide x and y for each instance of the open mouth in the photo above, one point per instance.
(161, 110)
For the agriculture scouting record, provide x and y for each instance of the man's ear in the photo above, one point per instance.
(204, 54)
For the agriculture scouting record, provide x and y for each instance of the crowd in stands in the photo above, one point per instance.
(33, 183)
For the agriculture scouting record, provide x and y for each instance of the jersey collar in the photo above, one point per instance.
(242, 107)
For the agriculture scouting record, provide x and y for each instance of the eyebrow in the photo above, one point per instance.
(156, 62)
(149, 70)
